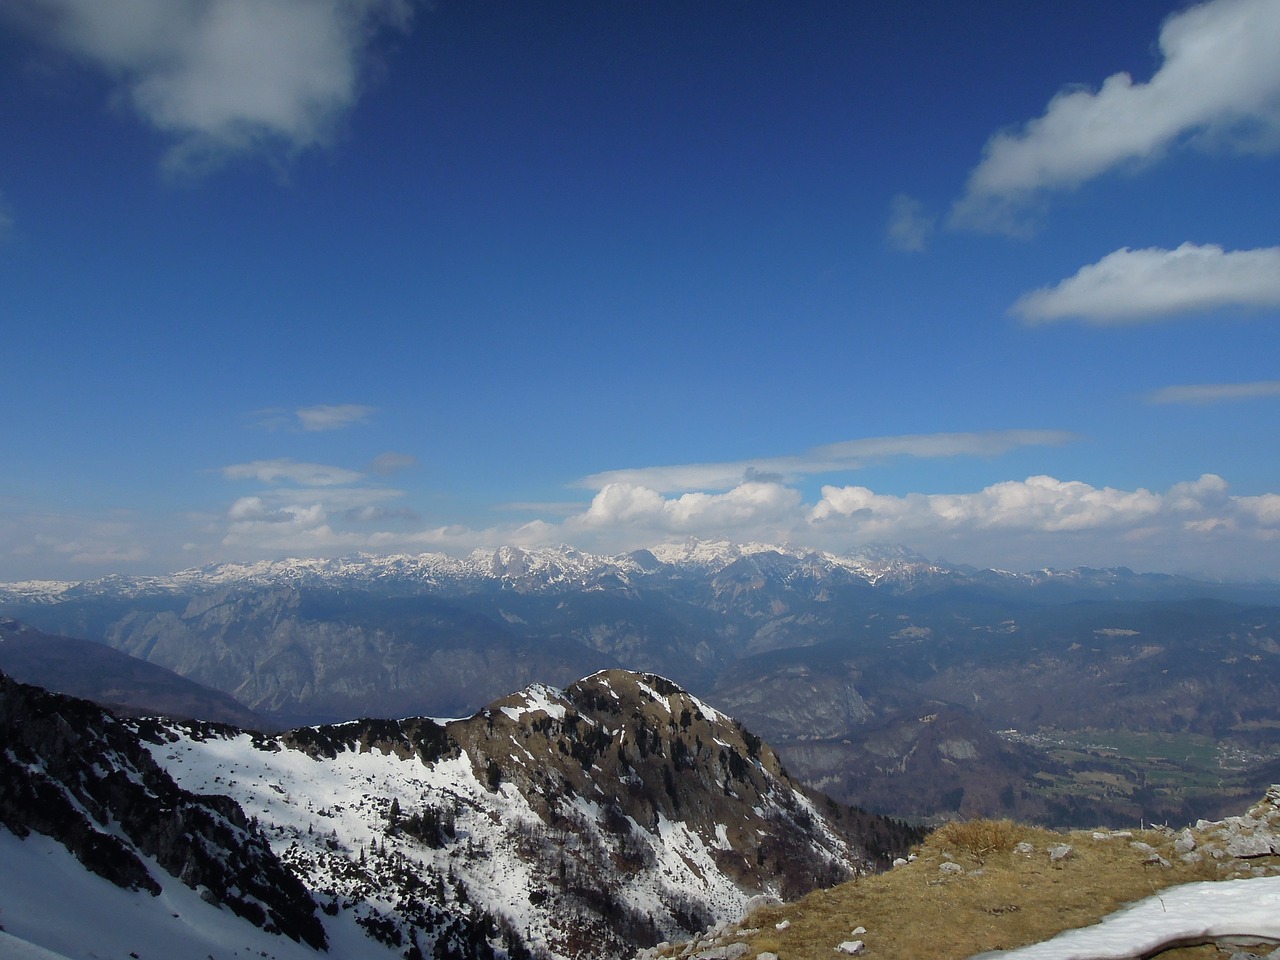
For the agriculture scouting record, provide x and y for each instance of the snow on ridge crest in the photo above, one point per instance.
(537, 697)
(521, 568)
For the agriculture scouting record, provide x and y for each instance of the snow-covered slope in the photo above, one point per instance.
(577, 823)
(52, 908)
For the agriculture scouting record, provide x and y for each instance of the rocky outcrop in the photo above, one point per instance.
(74, 773)
(581, 822)
(1255, 834)
(657, 754)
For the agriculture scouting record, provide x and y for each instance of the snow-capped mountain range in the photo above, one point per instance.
(546, 568)
(892, 568)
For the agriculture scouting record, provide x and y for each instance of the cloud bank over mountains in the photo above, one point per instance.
(1039, 520)
(831, 458)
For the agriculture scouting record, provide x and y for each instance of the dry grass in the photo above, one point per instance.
(979, 839)
(1002, 898)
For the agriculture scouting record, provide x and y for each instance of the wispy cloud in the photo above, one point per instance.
(831, 458)
(224, 77)
(36, 540)
(909, 226)
(307, 474)
(313, 419)
(333, 416)
(553, 507)
(1219, 82)
(1138, 285)
(1207, 393)
(6, 219)
(391, 462)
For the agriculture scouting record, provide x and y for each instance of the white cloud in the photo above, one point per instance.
(831, 458)
(252, 510)
(1219, 82)
(1265, 509)
(293, 520)
(307, 474)
(333, 416)
(1127, 286)
(746, 506)
(1040, 504)
(1019, 524)
(225, 77)
(1205, 393)
(909, 226)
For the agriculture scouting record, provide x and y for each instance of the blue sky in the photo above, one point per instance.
(997, 281)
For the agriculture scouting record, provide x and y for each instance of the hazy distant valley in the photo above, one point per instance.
(888, 681)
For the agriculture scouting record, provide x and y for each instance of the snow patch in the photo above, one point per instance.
(1193, 911)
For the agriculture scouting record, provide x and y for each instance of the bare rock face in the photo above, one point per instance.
(1255, 834)
(74, 773)
(652, 753)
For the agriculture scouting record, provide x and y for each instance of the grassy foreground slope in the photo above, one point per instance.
(988, 885)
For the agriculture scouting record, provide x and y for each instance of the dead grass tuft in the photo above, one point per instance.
(979, 839)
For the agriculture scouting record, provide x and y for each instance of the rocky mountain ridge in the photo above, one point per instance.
(578, 823)
(76, 774)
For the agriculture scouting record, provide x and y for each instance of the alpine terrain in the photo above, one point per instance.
(889, 681)
(582, 823)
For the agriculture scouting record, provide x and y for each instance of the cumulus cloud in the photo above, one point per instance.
(1039, 521)
(1219, 82)
(831, 458)
(909, 226)
(1040, 503)
(307, 474)
(1206, 393)
(748, 505)
(1139, 285)
(224, 77)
